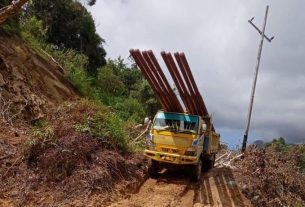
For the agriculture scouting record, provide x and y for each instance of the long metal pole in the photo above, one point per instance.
(254, 82)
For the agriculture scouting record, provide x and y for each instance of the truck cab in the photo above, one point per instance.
(181, 139)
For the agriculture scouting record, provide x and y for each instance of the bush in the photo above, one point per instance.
(145, 95)
(42, 137)
(130, 109)
(279, 144)
(32, 30)
(74, 65)
(106, 126)
(109, 82)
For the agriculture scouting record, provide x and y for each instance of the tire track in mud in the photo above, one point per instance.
(174, 188)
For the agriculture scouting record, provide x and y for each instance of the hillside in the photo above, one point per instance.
(30, 82)
(46, 155)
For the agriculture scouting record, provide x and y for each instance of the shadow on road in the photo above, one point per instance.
(174, 176)
(174, 188)
(218, 188)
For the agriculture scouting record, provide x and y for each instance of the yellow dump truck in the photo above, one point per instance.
(182, 133)
(181, 139)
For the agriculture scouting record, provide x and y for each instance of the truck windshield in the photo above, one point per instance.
(176, 122)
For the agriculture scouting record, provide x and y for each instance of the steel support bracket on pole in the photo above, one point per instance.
(259, 31)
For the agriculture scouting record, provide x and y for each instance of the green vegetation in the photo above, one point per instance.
(69, 25)
(104, 125)
(65, 30)
(42, 137)
(116, 84)
(280, 146)
(41, 134)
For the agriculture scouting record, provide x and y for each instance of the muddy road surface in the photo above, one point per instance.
(174, 188)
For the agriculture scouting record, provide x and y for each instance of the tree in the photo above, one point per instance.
(109, 82)
(145, 95)
(279, 144)
(91, 2)
(129, 75)
(70, 25)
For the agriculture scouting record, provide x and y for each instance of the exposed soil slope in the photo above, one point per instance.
(29, 82)
(44, 159)
(65, 167)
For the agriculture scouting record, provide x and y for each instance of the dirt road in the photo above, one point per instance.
(216, 188)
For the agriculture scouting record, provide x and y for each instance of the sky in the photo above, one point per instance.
(221, 48)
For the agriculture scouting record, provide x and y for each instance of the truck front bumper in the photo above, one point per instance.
(170, 158)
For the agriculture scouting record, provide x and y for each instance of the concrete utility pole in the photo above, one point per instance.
(263, 36)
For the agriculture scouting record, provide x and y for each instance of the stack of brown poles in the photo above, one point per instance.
(153, 73)
(182, 77)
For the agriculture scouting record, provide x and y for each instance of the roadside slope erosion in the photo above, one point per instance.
(29, 82)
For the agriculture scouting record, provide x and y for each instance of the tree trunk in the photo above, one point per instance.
(11, 10)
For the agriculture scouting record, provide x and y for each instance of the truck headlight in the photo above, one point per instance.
(190, 152)
(149, 142)
(195, 142)
(149, 136)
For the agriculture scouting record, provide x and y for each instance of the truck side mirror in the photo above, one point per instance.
(203, 127)
(146, 120)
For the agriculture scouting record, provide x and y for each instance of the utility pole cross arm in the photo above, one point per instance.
(259, 31)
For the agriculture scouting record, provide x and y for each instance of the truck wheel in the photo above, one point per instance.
(196, 171)
(153, 168)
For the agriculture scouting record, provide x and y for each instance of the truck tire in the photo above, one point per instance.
(196, 171)
(153, 168)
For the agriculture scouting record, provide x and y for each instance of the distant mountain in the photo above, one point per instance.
(259, 143)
